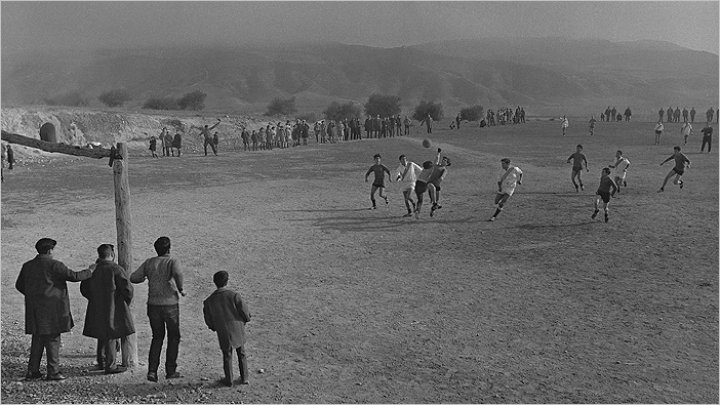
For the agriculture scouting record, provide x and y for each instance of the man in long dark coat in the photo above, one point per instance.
(226, 314)
(43, 282)
(108, 317)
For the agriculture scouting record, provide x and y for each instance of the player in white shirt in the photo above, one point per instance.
(406, 174)
(621, 166)
(506, 185)
(564, 123)
(686, 131)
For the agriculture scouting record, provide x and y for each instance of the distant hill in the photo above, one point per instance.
(548, 76)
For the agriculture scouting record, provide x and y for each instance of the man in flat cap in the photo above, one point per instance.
(43, 282)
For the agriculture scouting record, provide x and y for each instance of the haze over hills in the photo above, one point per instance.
(547, 75)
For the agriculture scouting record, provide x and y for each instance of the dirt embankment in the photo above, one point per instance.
(81, 127)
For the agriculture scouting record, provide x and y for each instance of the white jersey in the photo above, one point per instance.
(686, 129)
(411, 176)
(621, 166)
(510, 182)
(564, 123)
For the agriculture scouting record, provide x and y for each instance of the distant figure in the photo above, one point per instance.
(226, 313)
(628, 114)
(177, 143)
(660, 114)
(614, 112)
(669, 114)
(216, 141)
(685, 114)
(709, 114)
(165, 149)
(707, 137)
(428, 123)
(592, 125)
(686, 131)
(10, 157)
(208, 139)
(658, 132)
(153, 146)
(602, 117)
(564, 124)
(692, 114)
(676, 115)
(3, 152)
(406, 122)
(457, 121)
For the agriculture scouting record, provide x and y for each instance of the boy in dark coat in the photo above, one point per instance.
(226, 314)
(108, 317)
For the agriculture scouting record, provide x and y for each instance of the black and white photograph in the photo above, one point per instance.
(359, 202)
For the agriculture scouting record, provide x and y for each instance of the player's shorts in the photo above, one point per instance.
(409, 188)
(620, 176)
(658, 132)
(678, 171)
(436, 183)
(420, 187)
(604, 195)
(576, 169)
(378, 184)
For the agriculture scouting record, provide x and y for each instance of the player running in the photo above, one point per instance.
(421, 185)
(592, 125)
(686, 131)
(436, 177)
(676, 171)
(578, 160)
(621, 166)
(604, 193)
(564, 124)
(379, 183)
(407, 173)
(506, 185)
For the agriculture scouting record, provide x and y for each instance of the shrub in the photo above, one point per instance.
(281, 107)
(192, 101)
(161, 103)
(339, 112)
(382, 105)
(72, 99)
(114, 98)
(428, 107)
(473, 113)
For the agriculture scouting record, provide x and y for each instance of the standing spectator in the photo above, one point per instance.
(407, 125)
(226, 314)
(177, 143)
(709, 115)
(3, 151)
(108, 318)
(168, 143)
(245, 139)
(685, 114)
(614, 112)
(304, 131)
(457, 121)
(165, 284)
(692, 114)
(215, 142)
(10, 157)
(592, 125)
(602, 117)
(660, 115)
(669, 114)
(676, 115)
(628, 114)
(707, 137)
(43, 282)
(162, 140)
(522, 115)
(368, 127)
(564, 124)
(398, 123)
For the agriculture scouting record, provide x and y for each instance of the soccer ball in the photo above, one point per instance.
(426, 143)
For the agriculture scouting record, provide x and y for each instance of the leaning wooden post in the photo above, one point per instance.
(124, 233)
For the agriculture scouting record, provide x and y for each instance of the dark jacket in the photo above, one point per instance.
(226, 313)
(109, 293)
(42, 281)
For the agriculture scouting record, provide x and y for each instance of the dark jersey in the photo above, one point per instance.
(680, 160)
(707, 131)
(379, 171)
(577, 159)
(606, 184)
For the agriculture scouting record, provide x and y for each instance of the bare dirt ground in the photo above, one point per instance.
(361, 306)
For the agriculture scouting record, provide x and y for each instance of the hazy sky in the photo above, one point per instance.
(73, 25)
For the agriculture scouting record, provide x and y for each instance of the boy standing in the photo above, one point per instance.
(226, 314)
(578, 160)
(676, 171)
(379, 183)
(603, 193)
(506, 185)
(707, 138)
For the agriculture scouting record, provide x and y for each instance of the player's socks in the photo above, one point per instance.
(582, 187)
(606, 217)
(681, 183)
(661, 189)
(576, 189)
(595, 214)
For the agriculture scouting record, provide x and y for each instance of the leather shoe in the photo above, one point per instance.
(174, 374)
(152, 376)
(55, 377)
(226, 382)
(116, 370)
(33, 376)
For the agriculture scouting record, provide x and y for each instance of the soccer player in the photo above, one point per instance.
(564, 124)
(578, 159)
(421, 185)
(436, 177)
(592, 125)
(707, 137)
(603, 192)
(658, 132)
(407, 173)
(379, 183)
(676, 171)
(621, 166)
(686, 131)
(506, 185)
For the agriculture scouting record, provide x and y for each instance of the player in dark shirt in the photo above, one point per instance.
(379, 183)
(606, 189)
(676, 171)
(578, 160)
(707, 137)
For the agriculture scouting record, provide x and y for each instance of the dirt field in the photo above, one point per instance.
(354, 305)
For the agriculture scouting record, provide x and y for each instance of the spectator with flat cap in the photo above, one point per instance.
(43, 282)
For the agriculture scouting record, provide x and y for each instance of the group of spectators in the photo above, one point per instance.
(504, 115)
(674, 115)
(613, 114)
(169, 144)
